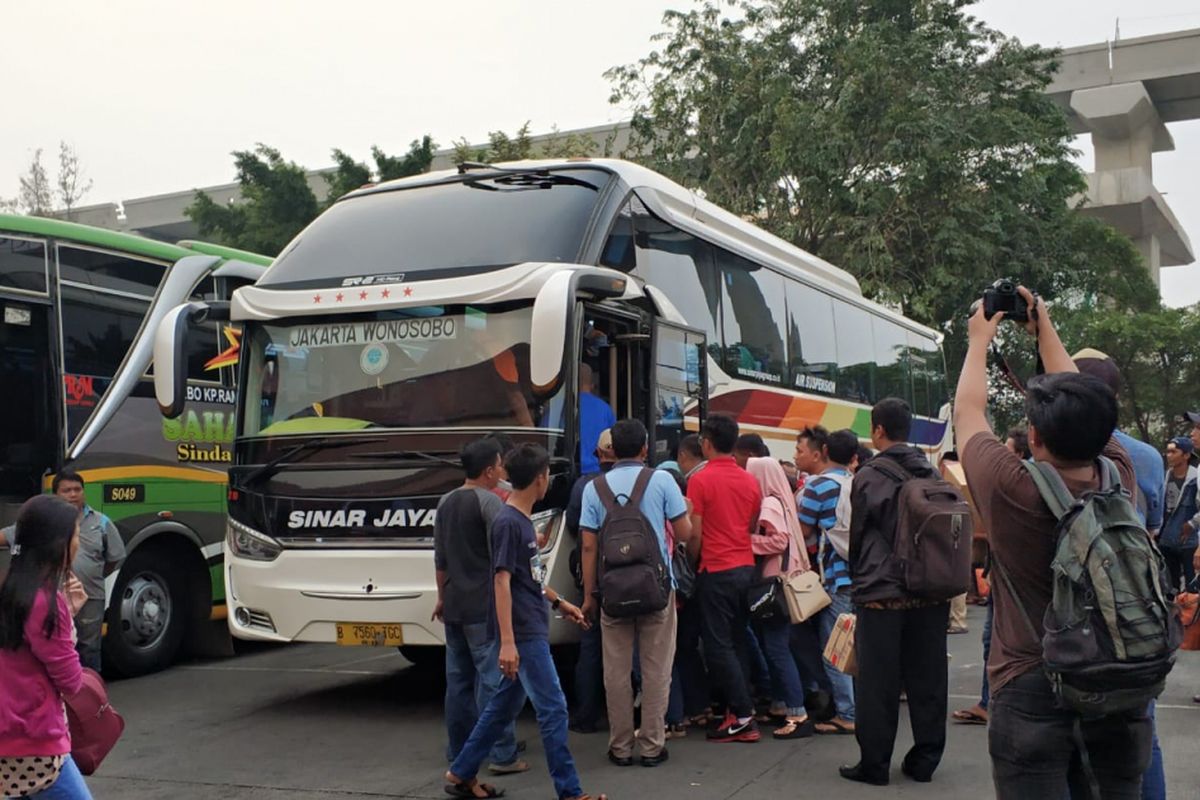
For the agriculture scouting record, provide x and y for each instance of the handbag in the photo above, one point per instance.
(95, 725)
(1189, 614)
(684, 572)
(765, 597)
(805, 595)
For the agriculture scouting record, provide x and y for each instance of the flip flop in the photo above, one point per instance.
(834, 727)
(969, 716)
(466, 789)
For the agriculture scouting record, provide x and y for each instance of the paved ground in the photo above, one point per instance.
(320, 723)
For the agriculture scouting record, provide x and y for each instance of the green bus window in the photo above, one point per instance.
(856, 353)
(23, 265)
(113, 271)
(891, 361)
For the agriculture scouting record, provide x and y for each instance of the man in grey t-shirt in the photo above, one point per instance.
(462, 558)
(101, 551)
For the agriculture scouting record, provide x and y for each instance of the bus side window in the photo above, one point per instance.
(752, 312)
(812, 344)
(891, 361)
(109, 271)
(23, 265)
(856, 353)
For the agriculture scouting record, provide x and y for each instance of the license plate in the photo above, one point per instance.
(366, 634)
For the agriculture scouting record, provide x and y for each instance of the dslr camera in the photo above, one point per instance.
(1003, 296)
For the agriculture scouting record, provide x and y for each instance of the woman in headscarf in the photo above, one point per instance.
(779, 550)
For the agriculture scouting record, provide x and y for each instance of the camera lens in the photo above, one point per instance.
(1006, 287)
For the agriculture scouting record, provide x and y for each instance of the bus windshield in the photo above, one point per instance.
(441, 229)
(428, 367)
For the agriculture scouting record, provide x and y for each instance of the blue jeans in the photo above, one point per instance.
(776, 637)
(589, 678)
(537, 678)
(472, 677)
(985, 693)
(1154, 781)
(69, 786)
(843, 684)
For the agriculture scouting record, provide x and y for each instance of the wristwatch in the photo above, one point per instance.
(556, 603)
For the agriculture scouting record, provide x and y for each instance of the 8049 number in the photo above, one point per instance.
(124, 493)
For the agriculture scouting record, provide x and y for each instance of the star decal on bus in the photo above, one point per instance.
(229, 356)
(338, 297)
(386, 293)
(316, 298)
(408, 291)
(362, 295)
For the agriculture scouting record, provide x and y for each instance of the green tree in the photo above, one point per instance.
(276, 203)
(349, 174)
(521, 146)
(902, 140)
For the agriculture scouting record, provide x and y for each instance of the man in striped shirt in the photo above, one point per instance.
(826, 457)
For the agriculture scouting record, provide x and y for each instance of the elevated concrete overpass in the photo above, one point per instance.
(1123, 94)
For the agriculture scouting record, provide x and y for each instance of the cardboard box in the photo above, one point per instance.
(839, 651)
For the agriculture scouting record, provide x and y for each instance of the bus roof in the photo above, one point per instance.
(228, 253)
(124, 242)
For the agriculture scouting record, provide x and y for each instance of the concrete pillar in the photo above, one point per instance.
(1126, 131)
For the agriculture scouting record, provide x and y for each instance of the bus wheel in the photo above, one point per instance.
(147, 614)
(425, 658)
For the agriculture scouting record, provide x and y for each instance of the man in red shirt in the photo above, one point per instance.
(725, 506)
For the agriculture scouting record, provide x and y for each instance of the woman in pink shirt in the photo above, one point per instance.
(37, 654)
(780, 537)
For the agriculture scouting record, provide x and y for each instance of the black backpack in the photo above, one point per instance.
(634, 579)
(934, 530)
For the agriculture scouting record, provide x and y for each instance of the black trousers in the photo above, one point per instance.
(724, 617)
(901, 650)
(1179, 565)
(688, 659)
(1035, 752)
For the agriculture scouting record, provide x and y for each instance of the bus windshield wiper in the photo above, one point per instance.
(527, 179)
(401, 454)
(271, 467)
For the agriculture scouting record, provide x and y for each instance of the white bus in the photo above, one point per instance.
(419, 314)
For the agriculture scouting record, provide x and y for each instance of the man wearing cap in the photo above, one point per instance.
(1146, 466)
(1177, 540)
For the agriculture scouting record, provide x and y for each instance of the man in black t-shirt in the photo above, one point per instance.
(523, 624)
(462, 558)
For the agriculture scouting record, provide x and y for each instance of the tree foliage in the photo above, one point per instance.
(71, 185)
(35, 192)
(521, 146)
(903, 141)
(276, 203)
(349, 174)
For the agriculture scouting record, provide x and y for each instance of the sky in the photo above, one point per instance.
(154, 96)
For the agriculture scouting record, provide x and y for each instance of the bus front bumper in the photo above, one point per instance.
(302, 595)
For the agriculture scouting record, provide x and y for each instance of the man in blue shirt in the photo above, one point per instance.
(653, 634)
(1148, 470)
(594, 416)
(827, 457)
(522, 603)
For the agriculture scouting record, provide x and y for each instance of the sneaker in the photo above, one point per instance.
(733, 731)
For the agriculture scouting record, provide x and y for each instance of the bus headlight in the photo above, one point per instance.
(245, 542)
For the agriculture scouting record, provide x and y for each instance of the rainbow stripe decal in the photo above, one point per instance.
(778, 410)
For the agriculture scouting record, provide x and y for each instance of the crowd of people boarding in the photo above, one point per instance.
(682, 569)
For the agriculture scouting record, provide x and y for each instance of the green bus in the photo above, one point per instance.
(78, 317)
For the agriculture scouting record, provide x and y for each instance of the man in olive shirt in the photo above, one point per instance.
(1071, 422)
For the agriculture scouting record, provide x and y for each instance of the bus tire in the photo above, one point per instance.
(148, 614)
(428, 657)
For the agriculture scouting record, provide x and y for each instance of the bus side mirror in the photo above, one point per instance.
(553, 320)
(170, 352)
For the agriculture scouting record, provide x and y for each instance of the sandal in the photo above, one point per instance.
(794, 728)
(466, 789)
(970, 716)
(835, 727)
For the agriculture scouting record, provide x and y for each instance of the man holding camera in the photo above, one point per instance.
(1037, 747)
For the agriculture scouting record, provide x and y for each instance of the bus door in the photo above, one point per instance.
(29, 402)
(678, 387)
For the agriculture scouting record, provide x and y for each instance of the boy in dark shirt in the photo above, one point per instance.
(523, 627)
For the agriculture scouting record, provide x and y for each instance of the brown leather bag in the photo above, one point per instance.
(1189, 613)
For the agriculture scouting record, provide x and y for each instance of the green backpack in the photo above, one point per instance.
(1111, 631)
